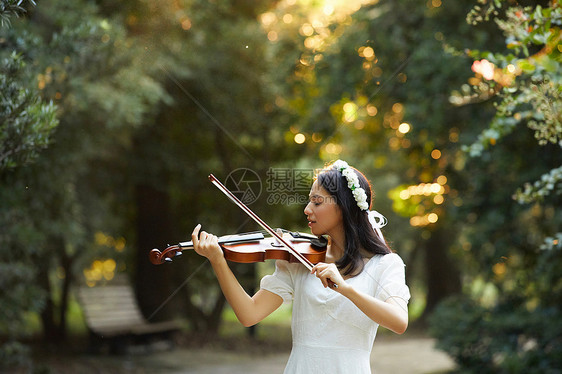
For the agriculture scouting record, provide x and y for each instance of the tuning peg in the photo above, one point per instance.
(179, 253)
(168, 259)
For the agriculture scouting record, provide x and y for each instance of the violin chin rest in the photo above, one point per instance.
(319, 244)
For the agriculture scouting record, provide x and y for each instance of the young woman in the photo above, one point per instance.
(337, 307)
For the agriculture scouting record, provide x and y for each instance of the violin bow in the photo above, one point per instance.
(309, 265)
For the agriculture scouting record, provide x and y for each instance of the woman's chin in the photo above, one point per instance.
(314, 230)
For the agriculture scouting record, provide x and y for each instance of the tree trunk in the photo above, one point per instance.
(442, 274)
(153, 231)
(50, 331)
(66, 283)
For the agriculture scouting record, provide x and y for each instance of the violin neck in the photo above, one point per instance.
(230, 239)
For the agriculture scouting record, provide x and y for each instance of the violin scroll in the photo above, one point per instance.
(158, 257)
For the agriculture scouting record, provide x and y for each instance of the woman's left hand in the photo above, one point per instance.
(329, 275)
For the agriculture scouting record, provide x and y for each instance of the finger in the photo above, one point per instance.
(314, 269)
(328, 280)
(330, 283)
(195, 234)
(322, 279)
(325, 272)
(204, 237)
(328, 275)
(318, 267)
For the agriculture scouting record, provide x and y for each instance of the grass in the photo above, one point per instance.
(270, 335)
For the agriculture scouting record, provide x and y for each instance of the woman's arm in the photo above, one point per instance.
(392, 313)
(249, 310)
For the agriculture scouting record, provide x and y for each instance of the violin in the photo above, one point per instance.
(282, 249)
(255, 247)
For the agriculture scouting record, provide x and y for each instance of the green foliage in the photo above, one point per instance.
(14, 353)
(518, 329)
(541, 188)
(26, 121)
(517, 335)
(12, 8)
(520, 333)
(20, 293)
(526, 81)
(20, 297)
(51, 209)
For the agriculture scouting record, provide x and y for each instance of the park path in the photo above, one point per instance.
(401, 355)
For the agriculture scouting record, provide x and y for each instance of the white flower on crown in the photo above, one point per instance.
(352, 183)
(340, 165)
(361, 198)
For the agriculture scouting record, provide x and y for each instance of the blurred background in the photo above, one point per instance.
(113, 114)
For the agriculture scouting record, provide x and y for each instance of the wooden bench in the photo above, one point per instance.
(113, 318)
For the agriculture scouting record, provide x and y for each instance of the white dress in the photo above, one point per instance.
(330, 334)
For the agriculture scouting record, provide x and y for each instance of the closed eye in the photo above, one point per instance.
(316, 200)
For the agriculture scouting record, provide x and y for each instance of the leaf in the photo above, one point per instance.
(537, 15)
(539, 38)
(526, 66)
(514, 44)
(549, 64)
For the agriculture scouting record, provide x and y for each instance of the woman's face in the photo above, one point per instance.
(323, 213)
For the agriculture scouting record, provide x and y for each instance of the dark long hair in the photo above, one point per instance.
(358, 230)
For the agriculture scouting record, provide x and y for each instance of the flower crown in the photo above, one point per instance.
(353, 184)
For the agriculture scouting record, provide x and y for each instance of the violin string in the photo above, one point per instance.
(302, 259)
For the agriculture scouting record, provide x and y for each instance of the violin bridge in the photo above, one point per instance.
(276, 242)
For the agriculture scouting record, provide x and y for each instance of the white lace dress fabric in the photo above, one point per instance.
(330, 334)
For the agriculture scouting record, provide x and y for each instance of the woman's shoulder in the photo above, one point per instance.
(393, 257)
(385, 260)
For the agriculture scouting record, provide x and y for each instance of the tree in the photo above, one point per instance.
(507, 320)
(26, 126)
(88, 66)
(26, 122)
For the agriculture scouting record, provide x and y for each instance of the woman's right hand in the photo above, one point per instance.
(206, 245)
